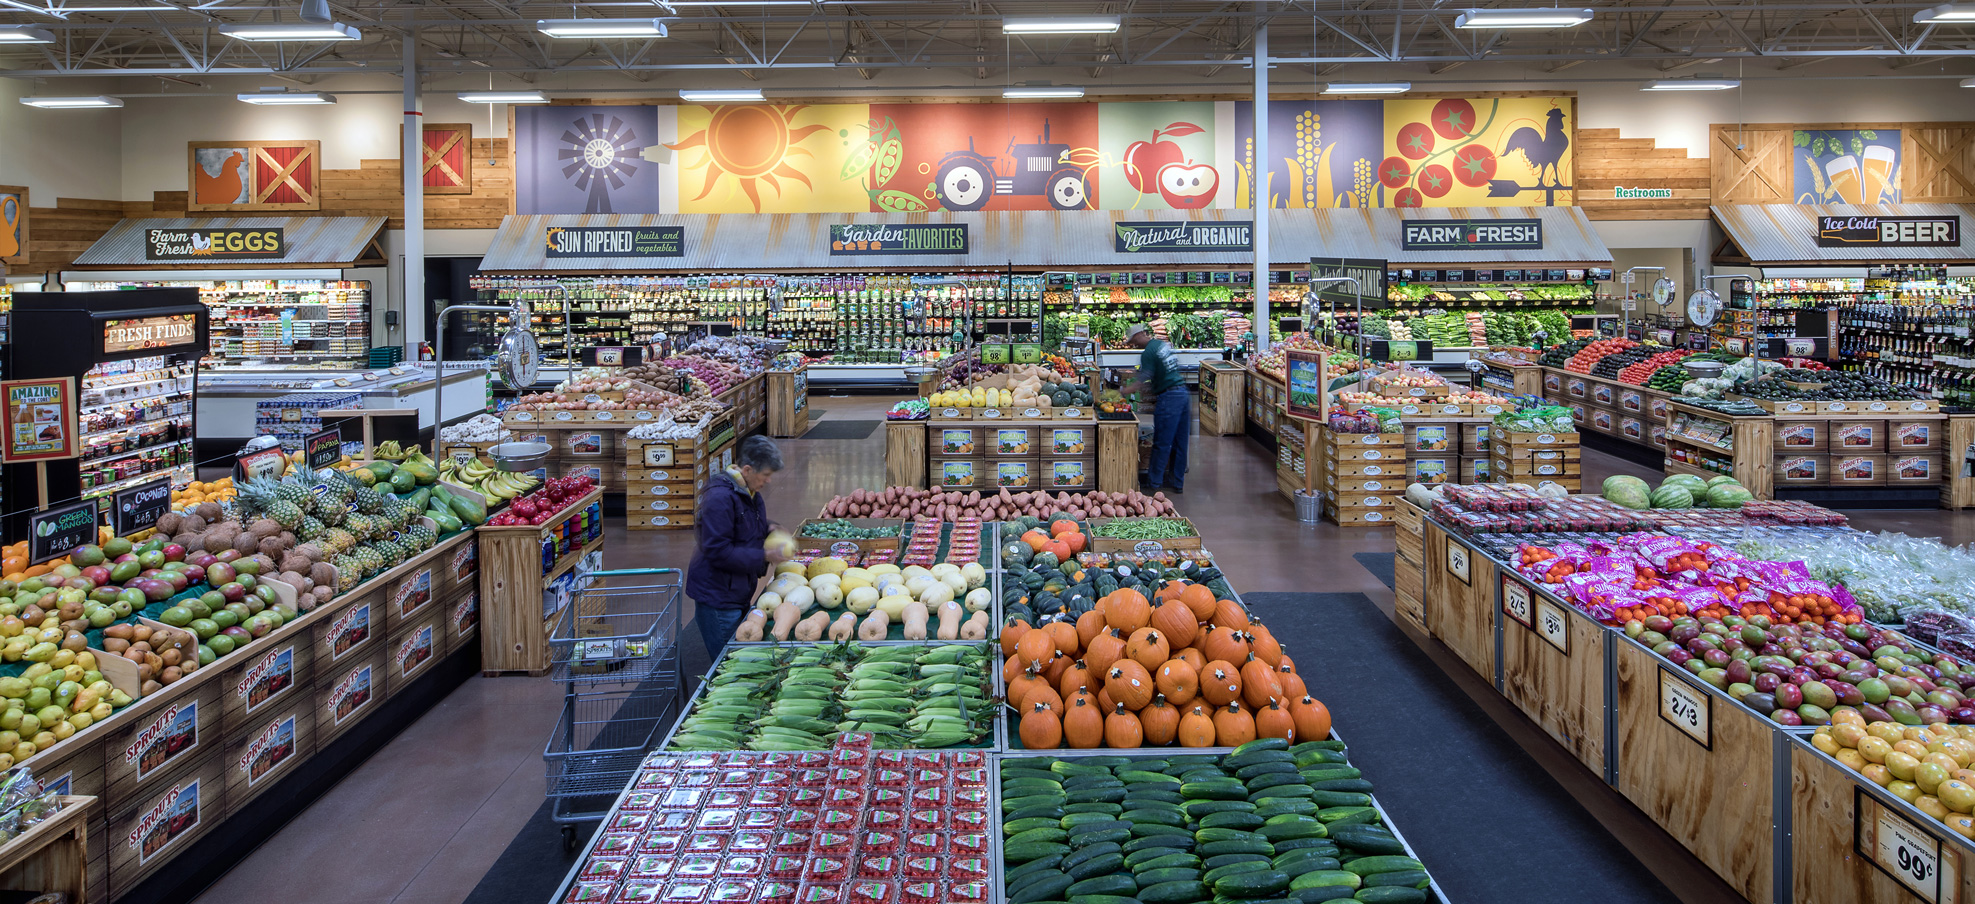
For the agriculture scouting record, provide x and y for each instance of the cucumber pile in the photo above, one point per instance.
(1267, 823)
(801, 697)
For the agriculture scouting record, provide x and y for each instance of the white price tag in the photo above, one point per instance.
(1908, 854)
(1554, 626)
(1687, 708)
(1458, 561)
(1517, 600)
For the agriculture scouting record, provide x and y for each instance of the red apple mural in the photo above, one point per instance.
(1144, 159)
(1188, 186)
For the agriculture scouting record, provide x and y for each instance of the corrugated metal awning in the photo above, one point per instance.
(310, 241)
(1771, 235)
(1377, 233)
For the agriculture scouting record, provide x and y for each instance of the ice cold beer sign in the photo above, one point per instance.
(1888, 232)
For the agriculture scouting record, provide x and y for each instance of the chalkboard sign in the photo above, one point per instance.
(139, 507)
(58, 531)
(323, 449)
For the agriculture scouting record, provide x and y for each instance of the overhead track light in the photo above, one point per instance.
(315, 11)
(1039, 92)
(1523, 18)
(1968, 83)
(503, 97)
(1082, 25)
(72, 103)
(1946, 13)
(594, 29)
(282, 97)
(25, 34)
(1692, 84)
(1367, 87)
(292, 31)
(723, 96)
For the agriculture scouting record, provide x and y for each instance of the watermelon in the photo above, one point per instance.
(1630, 492)
(1692, 483)
(1719, 479)
(1671, 496)
(1729, 495)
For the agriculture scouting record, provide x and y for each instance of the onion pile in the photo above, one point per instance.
(719, 376)
(911, 502)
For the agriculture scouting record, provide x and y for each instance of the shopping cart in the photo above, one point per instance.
(616, 650)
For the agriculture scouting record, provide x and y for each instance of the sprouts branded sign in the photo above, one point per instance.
(616, 241)
(1190, 238)
(1464, 235)
(226, 241)
(146, 333)
(1888, 232)
(879, 238)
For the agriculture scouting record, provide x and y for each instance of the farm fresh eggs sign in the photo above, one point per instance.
(196, 244)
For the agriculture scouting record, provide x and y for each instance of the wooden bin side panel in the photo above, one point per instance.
(511, 635)
(1714, 800)
(1825, 866)
(1564, 693)
(905, 454)
(1117, 457)
(1461, 614)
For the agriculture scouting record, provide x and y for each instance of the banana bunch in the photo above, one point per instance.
(801, 697)
(493, 484)
(389, 450)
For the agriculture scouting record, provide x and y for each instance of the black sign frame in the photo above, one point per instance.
(1181, 236)
(849, 239)
(67, 530)
(171, 244)
(1471, 234)
(601, 355)
(1371, 275)
(324, 448)
(140, 507)
(1869, 232)
(615, 241)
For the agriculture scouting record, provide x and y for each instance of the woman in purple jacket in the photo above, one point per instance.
(732, 524)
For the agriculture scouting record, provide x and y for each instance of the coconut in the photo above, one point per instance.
(294, 579)
(323, 574)
(216, 541)
(246, 544)
(312, 552)
(169, 522)
(288, 539)
(293, 562)
(271, 547)
(266, 563)
(321, 594)
(210, 511)
(191, 524)
(265, 527)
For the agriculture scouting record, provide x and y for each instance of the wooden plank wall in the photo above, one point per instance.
(1752, 163)
(1606, 161)
(62, 232)
(375, 188)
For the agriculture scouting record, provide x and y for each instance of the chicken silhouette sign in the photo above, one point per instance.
(253, 175)
(1483, 152)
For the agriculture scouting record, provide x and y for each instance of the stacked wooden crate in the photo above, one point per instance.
(664, 477)
(1536, 458)
(1364, 476)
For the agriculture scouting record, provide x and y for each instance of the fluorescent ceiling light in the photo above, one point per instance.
(281, 97)
(1946, 12)
(1086, 25)
(503, 97)
(25, 34)
(1033, 92)
(1968, 83)
(1523, 18)
(1367, 87)
(1692, 84)
(601, 28)
(723, 96)
(72, 103)
(292, 31)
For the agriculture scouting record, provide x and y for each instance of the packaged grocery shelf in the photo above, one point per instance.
(317, 324)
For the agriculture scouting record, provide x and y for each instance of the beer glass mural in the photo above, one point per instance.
(1846, 166)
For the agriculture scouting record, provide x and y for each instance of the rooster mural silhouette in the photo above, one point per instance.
(1543, 151)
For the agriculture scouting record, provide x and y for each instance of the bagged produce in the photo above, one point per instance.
(1544, 419)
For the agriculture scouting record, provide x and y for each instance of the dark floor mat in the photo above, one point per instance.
(1380, 564)
(815, 413)
(1456, 785)
(842, 430)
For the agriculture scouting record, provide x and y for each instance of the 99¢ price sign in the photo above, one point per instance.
(1917, 859)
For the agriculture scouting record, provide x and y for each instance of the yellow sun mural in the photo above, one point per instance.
(744, 148)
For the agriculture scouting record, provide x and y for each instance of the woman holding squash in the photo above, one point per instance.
(729, 557)
(1159, 379)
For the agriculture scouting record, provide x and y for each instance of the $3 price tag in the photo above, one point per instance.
(1457, 561)
(1553, 626)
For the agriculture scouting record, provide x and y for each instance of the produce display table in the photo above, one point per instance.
(1059, 454)
(787, 401)
(530, 573)
(53, 855)
(1633, 414)
(664, 476)
(1223, 391)
(594, 444)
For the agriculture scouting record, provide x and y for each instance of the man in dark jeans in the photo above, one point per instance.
(729, 560)
(1159, 379)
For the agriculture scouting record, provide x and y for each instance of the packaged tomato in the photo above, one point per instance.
(751, 841)
(687, 891)
(964, 758)
(705, 760)
(970, 868)
(925, 866)
(929, 797)
(684, 798)
(672, 820)
(662, 843)
(604, 868)
(834, 842)
(886, 797)
(726, 798)
(879, 842)
(639, 801)
(892, 778)
(697, 866)
(733, 891)
(812, 759)
(857, 755)
(926, 820)
(888, 818)
(708, 842)
(849, 777)
(972, 778)
(775, 778)
(970, 797)
(968, 819)
(799, 819)
(767, 797)
(760, 819)
(839, 819)
(749, 865)
(628, 822)
(656, 780)
(967, 892)
(794, 842)
(786, 866)
(776, 891)
(812, 778)
(805, 798)
(923, 778)
(921, 892)
(639, 891)
(925, 843)
(695, 778)
(891, 759)
(839, 796)
(651, 866)
(928, 758)
(854, 740)
(969, 843)
(723, 818)
(769, 759)
(827, 868)
(820, 893)
(871, 891)
(589, 891)
(615, 843)
(876, 866)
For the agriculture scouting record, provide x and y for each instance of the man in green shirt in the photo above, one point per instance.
(1159, 379)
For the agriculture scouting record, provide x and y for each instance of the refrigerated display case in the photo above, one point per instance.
(288, 323)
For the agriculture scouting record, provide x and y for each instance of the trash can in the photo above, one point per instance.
(1309, 506)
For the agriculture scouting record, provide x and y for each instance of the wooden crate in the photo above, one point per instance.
(462, 614)
(1117, 544)
(1117, 456)
(905, 453)
(1410, 610)
(265, 680)
(1553, 668)
(513, 635)
(787, 402)
(1513, 470)
(1222, 398)
(1958, 492)
(1406, 576)
(414, 649)
(141, 753)
(1459, 603)
(350, 692)
(1833, 809)
(269, 746)
(156, 824)
(53, 855)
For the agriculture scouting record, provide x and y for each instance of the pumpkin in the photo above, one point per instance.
(1198, 600)
(1089, 625)
(1104, 702)
(1292, 684)
(1020, 688)
(1225, 644)
(1171, 590)
(1177, 682)
(1075, 540)
(1147, 648)
(1121, 729)
(1105, 649)
(1193, 657)
(1129, 683)
(1174, 620)
(1083, 725)
(1196, 728)
(1036, 540)
(1159, 722)
(1011, 634)
(1043, 695)
(1062, 526)
(1233, 726)
(1075, 676)
(1287, 664)
(1053, 672)
(1035, 648)
(1012, 669)
(1041, 729)
(1258, 683)
(1220, 683)
(1082, 692)
(1127, 611)
(1264, 644)
(1312, 718)
(1065, 636)
(1057, 548)
(1230, 613)
(1272, 721)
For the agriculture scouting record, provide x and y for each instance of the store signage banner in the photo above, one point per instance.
(1641, 194)
(1888, 232)
(323, 449)
(53, 533)
(616, 241)
(146, 333)
(929, 238)
(40, 420)
(1191, 238)
(194, 244)
(1463, 235)
(140, 506)
(1370, 274)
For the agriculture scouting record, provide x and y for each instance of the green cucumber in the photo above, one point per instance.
(1198, 809)
(1325, 845)
(1224, 790)
(1115, 884)
(1221, 860)
(1340, 798)
(1102, 899)
(1233, 869)
(1137, 776)
(1179, 891)
(1097, 795)
(1365, 866)
(1078, 766)
(1366, 839)
(1143, 794)
(1083, 855)
(1080, 782)
(1015, 827)
(1098, 836)
(1040, 864)
(1165, 858)
(1303, 865)
(1150, 829)
(1100, 865)
(1222, 833)
(1273, 779)
(1321, 894)
(1177, 842)
(1022, 787)
(1312, 757)
(1101, 825)
(1257, 744)
(1049, 887)
(1023, 853)
(1284, 831)
(1325, 877)
(1257, 884)
(1107, 762)
(1166, 817)
(1291, 791)
(1344, 784)
(1347, 815)
(1011, 804)
(1193, 759)
(1108, 809)
(1231, 819)
(1203, 774)
(1150, 877)
(1072, 820)
(1406, 878)
(1327, 772)
(1045, 811)
(1043, 834)
(1391, 894)
(1243, 846)
(1264, 768)
(1280, 806)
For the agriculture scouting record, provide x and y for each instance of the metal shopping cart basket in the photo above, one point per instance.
(615, 648)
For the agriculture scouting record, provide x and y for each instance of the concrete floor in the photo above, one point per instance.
(423, 820)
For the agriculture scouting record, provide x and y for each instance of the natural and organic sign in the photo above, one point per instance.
(53, 533)
(1191, 238)
(1369, 274)
(881, 238)
(228, 241)
(146, 333)
(1888, 232)
(140, 506)
(40, 419)
(1461, 235)
(616, 241)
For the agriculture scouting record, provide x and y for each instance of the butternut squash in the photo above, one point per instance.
(949, 621)
(844, 628)
(914, 620)
(786, 615)
(811, 628)
(874, 627)
(975, 627)
(751, 626)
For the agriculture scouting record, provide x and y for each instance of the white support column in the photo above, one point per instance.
(411, 327)
(1261, 180)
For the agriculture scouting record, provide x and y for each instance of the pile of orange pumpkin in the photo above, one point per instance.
(1183, 669)
(1063, 540)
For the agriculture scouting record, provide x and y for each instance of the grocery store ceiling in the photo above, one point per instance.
(958, 41)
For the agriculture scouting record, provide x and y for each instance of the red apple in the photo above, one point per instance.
(1188, 186)
(1144, 160)
(174, 552)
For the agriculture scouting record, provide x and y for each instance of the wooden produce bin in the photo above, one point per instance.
(1553, 667)
(515, 619)
(664, 477)
(1847, 837)
(1958, 488)
(1459, 606)
(1299, 456)
(1263, 395)
(1117, 456)
(53, 855)
(1408, 580)
(1536, 458)
(787, 401)
(905, 453)
(1223, 391)
(1750, 447)
(1361, 476)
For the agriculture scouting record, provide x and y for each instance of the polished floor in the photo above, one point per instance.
(426, 818)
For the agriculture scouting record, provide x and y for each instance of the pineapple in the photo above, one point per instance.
(369, 501)
(419, 537)
(349, 573)
(310, 529)
(392, 553)
(331, 513)
(254, 498)
(287, 514)
(338, 541)
(298, 488)
(369, 560)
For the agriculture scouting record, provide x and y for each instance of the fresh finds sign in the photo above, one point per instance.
(880, 238)
(229, 242)
(1463, 235)
(616, 241)
(1188, 238)
(1888, 232)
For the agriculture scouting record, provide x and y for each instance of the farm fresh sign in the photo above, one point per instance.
(1461, 235)
(194, 244)
(855, 238)
(1201, 238)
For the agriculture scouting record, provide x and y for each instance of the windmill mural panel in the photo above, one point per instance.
(584, 159)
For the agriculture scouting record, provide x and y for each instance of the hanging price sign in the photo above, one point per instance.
(1687, 708)
(1517, 601)
(1904, 851)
